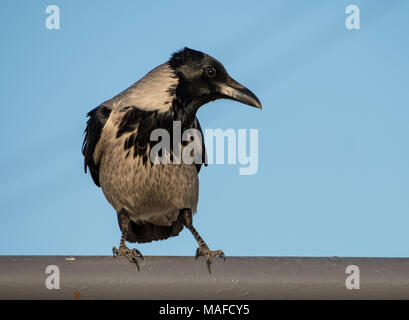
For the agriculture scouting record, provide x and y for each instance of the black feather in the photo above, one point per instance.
(146, 232)
(97, 119)
(146, 121)
(184, 56)
(204, 154)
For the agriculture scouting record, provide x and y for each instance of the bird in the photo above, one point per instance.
(155, 201)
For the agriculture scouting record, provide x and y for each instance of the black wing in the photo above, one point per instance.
(97, 119)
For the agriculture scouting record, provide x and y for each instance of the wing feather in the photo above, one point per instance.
(97, 119)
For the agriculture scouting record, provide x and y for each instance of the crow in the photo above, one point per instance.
(154, 201)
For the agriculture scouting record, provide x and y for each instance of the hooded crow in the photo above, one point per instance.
(154, 201)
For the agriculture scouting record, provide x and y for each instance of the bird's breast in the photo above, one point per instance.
(148, 191)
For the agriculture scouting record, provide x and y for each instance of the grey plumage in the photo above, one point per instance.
(154, 201)
(150, 194)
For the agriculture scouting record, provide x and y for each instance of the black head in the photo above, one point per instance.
(203, 79)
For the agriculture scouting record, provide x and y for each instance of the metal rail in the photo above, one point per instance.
(101, 277)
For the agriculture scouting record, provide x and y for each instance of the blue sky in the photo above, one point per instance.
(333, 176)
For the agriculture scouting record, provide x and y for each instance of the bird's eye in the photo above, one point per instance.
(210, 72)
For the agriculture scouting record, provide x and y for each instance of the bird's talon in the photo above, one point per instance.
(136, 252)
(130, 254)
(197, 253)
(134, 260)
(209, 255)
(208, 262)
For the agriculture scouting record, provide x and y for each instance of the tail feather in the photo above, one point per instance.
(148, 232)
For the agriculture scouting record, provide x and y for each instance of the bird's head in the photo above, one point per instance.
(203, 79)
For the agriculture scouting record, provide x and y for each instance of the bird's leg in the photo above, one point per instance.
(131, 254)
(203, 249)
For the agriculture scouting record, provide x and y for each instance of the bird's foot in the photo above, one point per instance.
(209, 255)
(131, 254)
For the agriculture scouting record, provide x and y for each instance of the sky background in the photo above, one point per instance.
(333, 176)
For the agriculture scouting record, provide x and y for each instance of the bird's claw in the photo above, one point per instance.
(209, 255)
(131, 254)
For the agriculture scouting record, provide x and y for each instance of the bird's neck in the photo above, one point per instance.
(184, 110)
(186, 101)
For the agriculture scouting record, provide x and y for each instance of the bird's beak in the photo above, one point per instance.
(233, 90)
